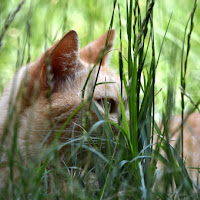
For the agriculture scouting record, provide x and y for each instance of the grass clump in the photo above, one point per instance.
(116, 167)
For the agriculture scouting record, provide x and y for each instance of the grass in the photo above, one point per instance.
(127, 167)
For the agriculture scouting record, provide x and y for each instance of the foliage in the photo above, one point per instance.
(152, 41)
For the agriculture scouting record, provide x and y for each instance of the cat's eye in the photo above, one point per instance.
(107, 104)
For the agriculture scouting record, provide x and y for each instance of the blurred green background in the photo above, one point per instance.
(41, 22)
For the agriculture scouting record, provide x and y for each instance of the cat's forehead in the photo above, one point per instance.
(108, 75)
(105, 73)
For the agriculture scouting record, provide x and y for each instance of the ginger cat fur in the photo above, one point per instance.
(191, 141)
(62, 70)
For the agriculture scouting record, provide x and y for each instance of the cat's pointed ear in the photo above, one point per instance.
(60, 61)
(64, 57)
(96, 49)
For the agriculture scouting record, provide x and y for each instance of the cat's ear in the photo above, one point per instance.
(96, 49)
(60, 61)
(64, 57)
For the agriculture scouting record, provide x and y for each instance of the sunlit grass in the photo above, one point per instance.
(148, 55)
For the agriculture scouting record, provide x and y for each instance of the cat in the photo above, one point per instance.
(45, 93)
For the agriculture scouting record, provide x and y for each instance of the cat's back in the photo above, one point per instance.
(191, 139)
(9, 95)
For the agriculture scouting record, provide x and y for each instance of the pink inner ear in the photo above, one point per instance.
(64, 57)
(95, 50)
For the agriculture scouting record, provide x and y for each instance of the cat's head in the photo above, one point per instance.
(54, 84)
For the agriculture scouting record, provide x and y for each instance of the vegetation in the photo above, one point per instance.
(157, 46)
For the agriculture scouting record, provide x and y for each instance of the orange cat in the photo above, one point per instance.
(47, 91)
